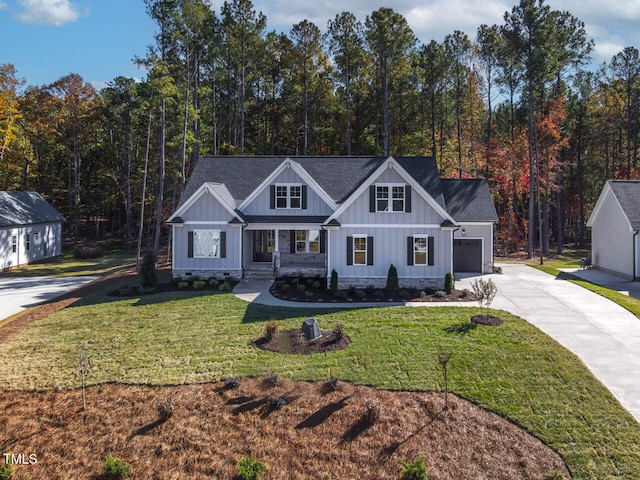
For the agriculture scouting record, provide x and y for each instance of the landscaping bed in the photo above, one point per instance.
(202, 431)
(313, 290)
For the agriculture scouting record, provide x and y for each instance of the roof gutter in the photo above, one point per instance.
(635, 254)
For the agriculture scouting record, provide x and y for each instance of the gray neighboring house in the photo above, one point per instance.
(615, 224)
(30, 229)
(276, 216)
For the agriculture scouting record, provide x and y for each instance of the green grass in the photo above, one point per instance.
(625, 301)
(67, 266)
(184, 337)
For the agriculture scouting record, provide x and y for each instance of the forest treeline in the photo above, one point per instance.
(519, 104)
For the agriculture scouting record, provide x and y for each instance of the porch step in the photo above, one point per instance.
(258, 275)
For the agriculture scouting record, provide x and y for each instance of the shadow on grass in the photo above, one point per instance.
(325, 412)
(461, 328)
(263, 313)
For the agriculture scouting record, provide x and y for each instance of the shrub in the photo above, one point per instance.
(115, 468)
(464, 293)
(332, 383)
(199, 284)
(415, 470)
(341, 294)
(338, 332)
(371, 413)
(84, 252)
(148, 278)
(449, 282)
(183, 284)
(392, 279)
(249, 469)
(214, 282)
(499, 270)
(309, 282)
(6, 471)
(379, 294)
(286, 287)
(302, 288)
(165, 409)
(440, 294)
(224, 287)
(271, 378)
(270, 329)
(359, 293)
(274, 402)
(308, 294)
(333, 282)
(230, 383)
(404, 293)
(315, 285)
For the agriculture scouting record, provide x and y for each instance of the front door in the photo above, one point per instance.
(264, 244)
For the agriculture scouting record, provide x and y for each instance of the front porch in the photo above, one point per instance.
(282, 252)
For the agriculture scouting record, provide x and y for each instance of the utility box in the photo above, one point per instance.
(310, 329)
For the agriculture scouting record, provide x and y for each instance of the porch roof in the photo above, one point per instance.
(279, 220)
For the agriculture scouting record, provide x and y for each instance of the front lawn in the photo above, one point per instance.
(186, 337)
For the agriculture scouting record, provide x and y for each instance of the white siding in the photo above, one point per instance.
(611, 239)
(315, 205)
(45, 242)
(206, 214)
(421, 212)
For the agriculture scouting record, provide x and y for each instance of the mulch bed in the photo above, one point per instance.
(317, 433)
(292, 341)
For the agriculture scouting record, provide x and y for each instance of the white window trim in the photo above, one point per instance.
(289, 197)
(306, 241)
(426, 252)
(209, 237)
(14, 243)
(353, 249)
(27, 241)
(389, 187)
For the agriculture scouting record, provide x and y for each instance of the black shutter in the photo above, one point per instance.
(372, 198)
(410, 243)
(304, 197)
(292, 241)
(272, 197)
(369, 250)
(407, 198)
(323, 241)
(430, 251)
(223, 244)
(190, 245)
(349, 250)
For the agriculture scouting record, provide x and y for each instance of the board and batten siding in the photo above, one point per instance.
(262, 203)
(612, 241)
(421, 212)
(390, 248)
(206, 214)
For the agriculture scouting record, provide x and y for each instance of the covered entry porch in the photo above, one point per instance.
(284, 250)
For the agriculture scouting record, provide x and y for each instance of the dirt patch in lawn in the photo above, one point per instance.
(313, 434)
(293, 341)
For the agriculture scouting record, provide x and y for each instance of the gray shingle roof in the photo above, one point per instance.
(26, 208)
(628, 194)
(339, 177)
(469, 200)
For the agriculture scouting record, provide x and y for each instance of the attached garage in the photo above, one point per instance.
(467, 255)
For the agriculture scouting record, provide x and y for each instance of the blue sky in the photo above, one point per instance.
(47, 39)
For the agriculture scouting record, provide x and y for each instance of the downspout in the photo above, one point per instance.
(635, 254)
(326, 253)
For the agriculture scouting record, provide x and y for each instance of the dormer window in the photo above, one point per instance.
(390, 197)
(288, 196)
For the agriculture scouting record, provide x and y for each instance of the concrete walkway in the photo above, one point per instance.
(19, 293)
(605, 336)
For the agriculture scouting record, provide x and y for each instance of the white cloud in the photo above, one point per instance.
(49, 12)
(3, 5)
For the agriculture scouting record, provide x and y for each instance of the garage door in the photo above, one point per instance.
(467, 255)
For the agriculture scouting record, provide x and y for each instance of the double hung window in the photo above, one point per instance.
(206, 243)
(390, 198)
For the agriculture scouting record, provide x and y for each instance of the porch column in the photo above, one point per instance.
(277, 246)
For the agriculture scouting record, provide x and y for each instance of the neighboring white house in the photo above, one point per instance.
(615, 223)
(30, 229)
(265, 216)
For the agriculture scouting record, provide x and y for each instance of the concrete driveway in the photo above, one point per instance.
(19, 293)
(605, 336)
